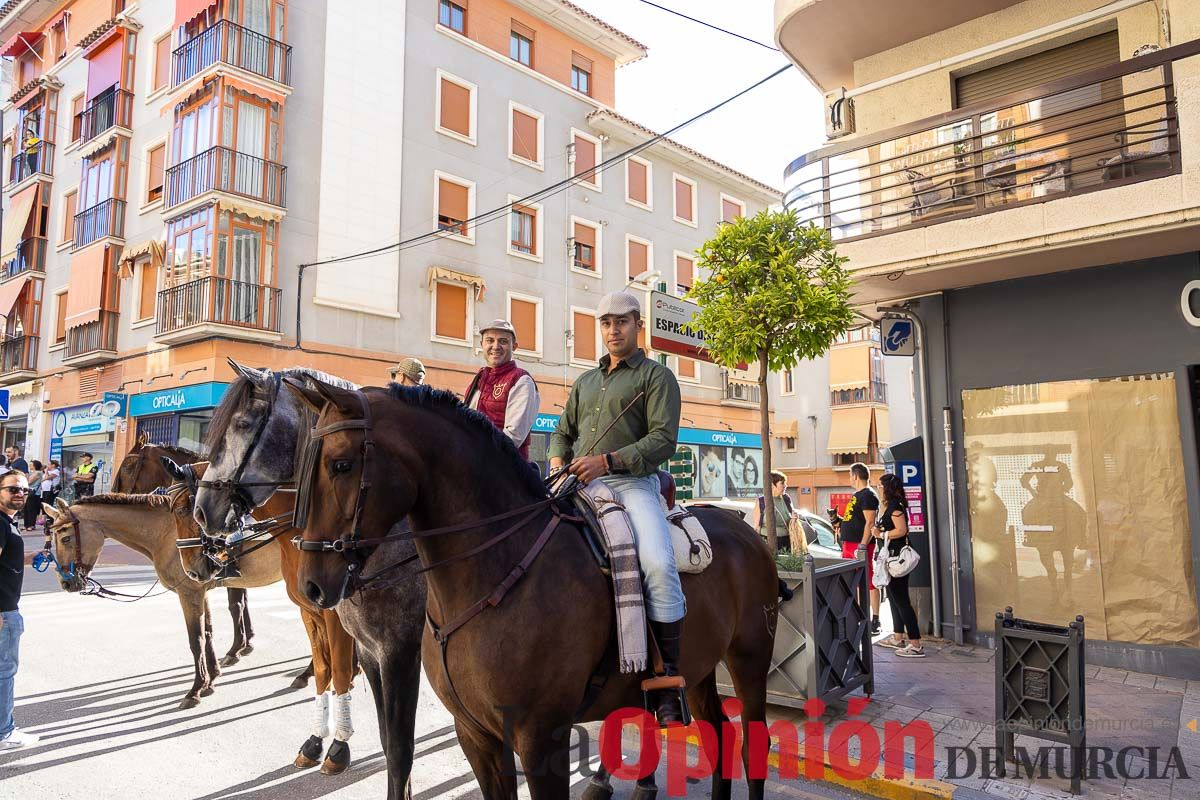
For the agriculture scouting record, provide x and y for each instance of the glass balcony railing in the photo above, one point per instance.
(230, 43)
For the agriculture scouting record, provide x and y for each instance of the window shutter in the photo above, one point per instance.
(683, 200)
(684, 271)
(1051, 65)
(581, 62)
(456, 108)
(149, 295)
(451, 319)
(585, 234)
(524, 135)
(60, 321)
(162, 62)
(638, 256)
(453, 201)
(637, 189)
(155, 189)
(687, 368)
(584, 329)
(69, 216)
(585, 158)
(730, 210)
(522, 30)
(523, 316)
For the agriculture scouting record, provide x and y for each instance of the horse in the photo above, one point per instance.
(257, 438)
(144, 523)
(505, 654)
(141, 472)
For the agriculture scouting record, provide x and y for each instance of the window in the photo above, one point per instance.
(523, 238)
(637, 256)
(686, 369)
(731, 208)
(587, 155)
(453, 16)
(76, 120)
(162, 63)
(581, 74)
(685, 273)
(638, 175)
(789, 444)
(525, 135)
(60, 317)
(451, 311)
(154, 183)
(455, 111)
(520, 44)
(148, 290)
(69, 208)
(587, 246)
(454, 199)
(685, 200)
(525, 313)
(585, 337)
(787, 382)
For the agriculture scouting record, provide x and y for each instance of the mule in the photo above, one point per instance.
(256, 439)
(502, 633)
(144, 523)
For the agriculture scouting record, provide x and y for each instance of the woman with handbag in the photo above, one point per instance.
(892, 528)
(785, 514)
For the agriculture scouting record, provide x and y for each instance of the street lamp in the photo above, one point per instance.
(646, 279)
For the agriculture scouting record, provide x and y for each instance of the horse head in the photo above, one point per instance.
(196, 565)
(76, 542)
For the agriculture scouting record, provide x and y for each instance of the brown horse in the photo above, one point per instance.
(524, 617)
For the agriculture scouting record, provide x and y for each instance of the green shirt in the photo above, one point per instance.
(644, 437)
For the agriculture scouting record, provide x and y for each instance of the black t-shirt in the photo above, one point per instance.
(887, 523)
(12, 564)
(853, 521)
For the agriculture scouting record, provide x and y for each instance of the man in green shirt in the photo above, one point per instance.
(626, 458)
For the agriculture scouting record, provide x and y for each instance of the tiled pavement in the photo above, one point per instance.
(953, 689)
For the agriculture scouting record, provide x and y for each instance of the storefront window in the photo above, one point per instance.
(1070, 514)
(192, 430)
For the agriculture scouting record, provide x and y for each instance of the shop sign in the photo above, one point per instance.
(182, 398)
(82, 421)
(545, 423)
(913, 481)
(115, 404)
(670, 327)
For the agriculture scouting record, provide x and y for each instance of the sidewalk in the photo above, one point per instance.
(953, 689)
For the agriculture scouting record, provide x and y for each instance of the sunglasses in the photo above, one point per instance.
(16, 489)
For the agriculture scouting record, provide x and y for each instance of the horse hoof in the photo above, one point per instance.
(597, 790)
(227, 661)
(206, 691)
(245, 651)
(189, 702)
(299, 682)
(310, 753)
(337, 760)
(641, 792)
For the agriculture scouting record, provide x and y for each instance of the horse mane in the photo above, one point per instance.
(449, 406)
(177, 453)
(118, 499)
(240, 390)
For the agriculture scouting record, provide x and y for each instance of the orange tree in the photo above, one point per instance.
(776, 293)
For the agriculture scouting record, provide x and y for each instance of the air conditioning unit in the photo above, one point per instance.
(839, 114)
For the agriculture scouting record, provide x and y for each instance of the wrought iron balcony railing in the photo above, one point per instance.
(103, 219)
(109, 109)
(218, 301)
(34, 160)
(230, 43)
(18, 354)
(223, 170)
(98, 336)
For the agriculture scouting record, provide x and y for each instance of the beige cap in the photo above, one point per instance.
(410, 368)
(616, 304)
(500, 325)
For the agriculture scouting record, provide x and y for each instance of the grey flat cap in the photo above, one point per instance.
(616, 304)
(500, 325)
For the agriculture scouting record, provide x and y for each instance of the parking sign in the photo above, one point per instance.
(898, 336)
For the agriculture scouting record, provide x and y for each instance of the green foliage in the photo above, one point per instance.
(777, 286)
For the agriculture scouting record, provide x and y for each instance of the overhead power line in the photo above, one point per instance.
(710, 25)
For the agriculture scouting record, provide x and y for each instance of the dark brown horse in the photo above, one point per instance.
(532, 650)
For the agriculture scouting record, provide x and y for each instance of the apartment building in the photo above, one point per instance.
(171, 165)
(1023, 178)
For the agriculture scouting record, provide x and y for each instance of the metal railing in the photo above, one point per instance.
(18, 354)
(224, 170)
(38, 159)
(100, 335)
(874, 392)
(740, 391)
(111, 108)
(218, 301)
(230, 43)
(31, 257)
(1102, 128)
(103, 219)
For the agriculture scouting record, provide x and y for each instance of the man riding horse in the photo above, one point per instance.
(620, 423)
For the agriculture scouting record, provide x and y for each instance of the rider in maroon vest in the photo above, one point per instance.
(502, 391)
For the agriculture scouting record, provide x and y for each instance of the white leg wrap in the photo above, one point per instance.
(321, 715)
(343, 725)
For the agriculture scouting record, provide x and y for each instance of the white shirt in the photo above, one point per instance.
(521, 411)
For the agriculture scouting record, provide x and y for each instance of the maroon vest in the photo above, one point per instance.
(493, 386)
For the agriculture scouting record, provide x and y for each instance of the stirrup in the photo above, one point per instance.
(666, 683)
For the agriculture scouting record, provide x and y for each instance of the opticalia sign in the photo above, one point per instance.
(669, 331)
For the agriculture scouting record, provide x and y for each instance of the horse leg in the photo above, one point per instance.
(749, 673)
(314, 746)
(237, 605)
(210, 652)
(599, 786)
(344, 662)
(374, 677)
(247, 627)
(544, 762)
(301, 680)
(705, 703)
(402, 687)
(193, 613)
(485, 753)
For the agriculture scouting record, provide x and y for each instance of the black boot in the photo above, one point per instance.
(668, 702)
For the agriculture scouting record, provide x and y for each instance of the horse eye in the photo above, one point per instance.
(66, 539)
(341, 466)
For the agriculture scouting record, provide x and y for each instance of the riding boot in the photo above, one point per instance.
(668, 702)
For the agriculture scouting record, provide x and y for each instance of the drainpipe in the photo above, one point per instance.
(948, 436)
(927, 447)
(568, 322)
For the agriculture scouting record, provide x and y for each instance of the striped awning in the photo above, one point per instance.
(152, 247)
(436, 274)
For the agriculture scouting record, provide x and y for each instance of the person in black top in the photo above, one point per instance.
(893, 529)
(14, 489)
(857, 519)
(15, 461)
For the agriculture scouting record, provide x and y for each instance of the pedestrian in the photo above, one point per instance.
(85, 477)
(784, 512)
(33, 506)
(15, 461)
(13, 491)
(857, 519)
(32, 142)
(409, 372)
(503, 391)
(892, 529)
(51, 482)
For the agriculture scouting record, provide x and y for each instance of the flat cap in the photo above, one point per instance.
(410, 368)
(616, 304)
(500, 325)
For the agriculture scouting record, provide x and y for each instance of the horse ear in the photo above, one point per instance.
(173, 469)
(52, 512)
(142, 440)
(317, 393)
(61, 505)
(310, 397)
(255, 376)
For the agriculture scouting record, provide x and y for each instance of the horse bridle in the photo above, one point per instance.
(76, 568)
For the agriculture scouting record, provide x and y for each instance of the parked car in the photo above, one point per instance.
(818, 531)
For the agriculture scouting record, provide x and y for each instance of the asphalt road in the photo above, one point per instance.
(101, 682)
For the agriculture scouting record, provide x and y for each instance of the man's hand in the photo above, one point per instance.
(555, 463)
(588, 468)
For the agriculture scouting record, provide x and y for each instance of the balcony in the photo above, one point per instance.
(224, 171)
(230, 43)
(38, 160)
(875, 392)
(103, 220)
(110, 109)
(740, 392)
(31, 257)
(206, 306)
(18, 358)
(92, 343)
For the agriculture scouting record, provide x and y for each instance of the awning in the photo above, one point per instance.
(849, 367)
(187, 10)
(15, 220)
(251, 211)
(19, 44)
(97, 147)
(86, 286)
(785, 429)
(436, 274)
(252, 89)
(56, 19)
(883, 428)
(150, 247)
(9, 293)
(849, 430)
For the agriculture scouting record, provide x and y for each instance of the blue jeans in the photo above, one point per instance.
(10, 639)
(660, 578)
